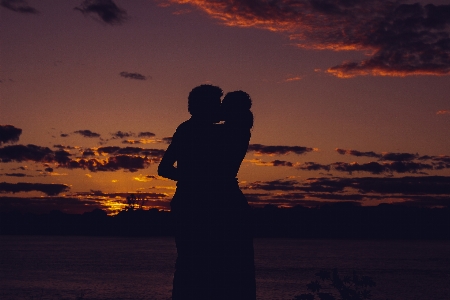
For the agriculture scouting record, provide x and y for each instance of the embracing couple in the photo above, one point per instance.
(212, 217)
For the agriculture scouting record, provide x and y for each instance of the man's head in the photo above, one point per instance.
(204, 102)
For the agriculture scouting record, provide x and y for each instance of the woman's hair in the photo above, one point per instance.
(236, 109)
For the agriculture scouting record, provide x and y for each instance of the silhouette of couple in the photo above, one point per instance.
(212, 217)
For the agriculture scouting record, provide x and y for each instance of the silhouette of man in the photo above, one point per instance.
(192, 149)
(191, 143)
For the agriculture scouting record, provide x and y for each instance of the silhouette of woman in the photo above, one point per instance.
(213, 236)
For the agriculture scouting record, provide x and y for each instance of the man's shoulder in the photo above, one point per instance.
(185, 126)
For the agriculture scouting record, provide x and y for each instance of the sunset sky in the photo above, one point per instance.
(351, 98)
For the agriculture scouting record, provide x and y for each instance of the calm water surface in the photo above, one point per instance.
(99, 268)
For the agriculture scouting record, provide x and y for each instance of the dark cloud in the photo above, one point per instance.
(281, 163)
(128, 158)
(381, 156)
(107, 10)
(274, 185)
(120, 135)
(123, 195)
(155, 153)
(398, 38)
(62, 147)
(277, 150)
(48, 189)
(410, 39)
(30, 152)
(109, 149)
(114, 163)
(88, 152)
(20, 6)
(379, 168)
(312, 166)
(45, 204)
(358, 153)
(430, 190)
(48, 169)
(131, 142)
(87, 133)
(399, 156)
(9, 134)
(131, 163)
(292, 185)
(167, 140)
(16, 174)
(146, 134)
(440, 158)
(417, 185)
(136, 76)
(64, 135)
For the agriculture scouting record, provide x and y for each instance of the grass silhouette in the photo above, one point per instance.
(330, 285)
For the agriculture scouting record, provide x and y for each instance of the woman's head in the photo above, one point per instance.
(236, 109)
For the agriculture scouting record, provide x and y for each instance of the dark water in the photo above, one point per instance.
(141, 268)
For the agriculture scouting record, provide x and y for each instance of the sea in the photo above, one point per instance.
(100, 268)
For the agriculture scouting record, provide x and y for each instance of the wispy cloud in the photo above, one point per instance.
(167, 140)
(120, 135)
(391, 156)
(398, 38)
(17, 175)
(20, 6)
(114, 158)
(136, 76)
(278, 150)
(146, 134)
(107, 10)
(293, 78)
(373, 186)
(87, 133)
(443, 112)
(48, 189)
(380, 168)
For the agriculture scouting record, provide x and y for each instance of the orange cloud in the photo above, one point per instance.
(444, 112)
(293, 78)
(400, 39)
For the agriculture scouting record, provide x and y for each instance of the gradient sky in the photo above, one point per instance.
(351, 98)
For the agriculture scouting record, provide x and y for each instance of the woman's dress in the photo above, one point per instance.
(212, 217)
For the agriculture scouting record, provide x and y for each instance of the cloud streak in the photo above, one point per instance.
(20, 6)
(278, 150)
(443, 112)
(115, 158)
(398, 38)
(87, 133)
(426, 189)
(135, 76)
(107, 10)
(48, 189)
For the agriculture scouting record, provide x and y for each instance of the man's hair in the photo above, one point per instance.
(201, 99)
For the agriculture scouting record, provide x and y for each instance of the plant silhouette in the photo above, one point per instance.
(333, 286)
(134, 202)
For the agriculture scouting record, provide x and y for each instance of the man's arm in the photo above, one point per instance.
(166, 167)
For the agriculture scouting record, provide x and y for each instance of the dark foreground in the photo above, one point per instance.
(333, 221)
(141, 268)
